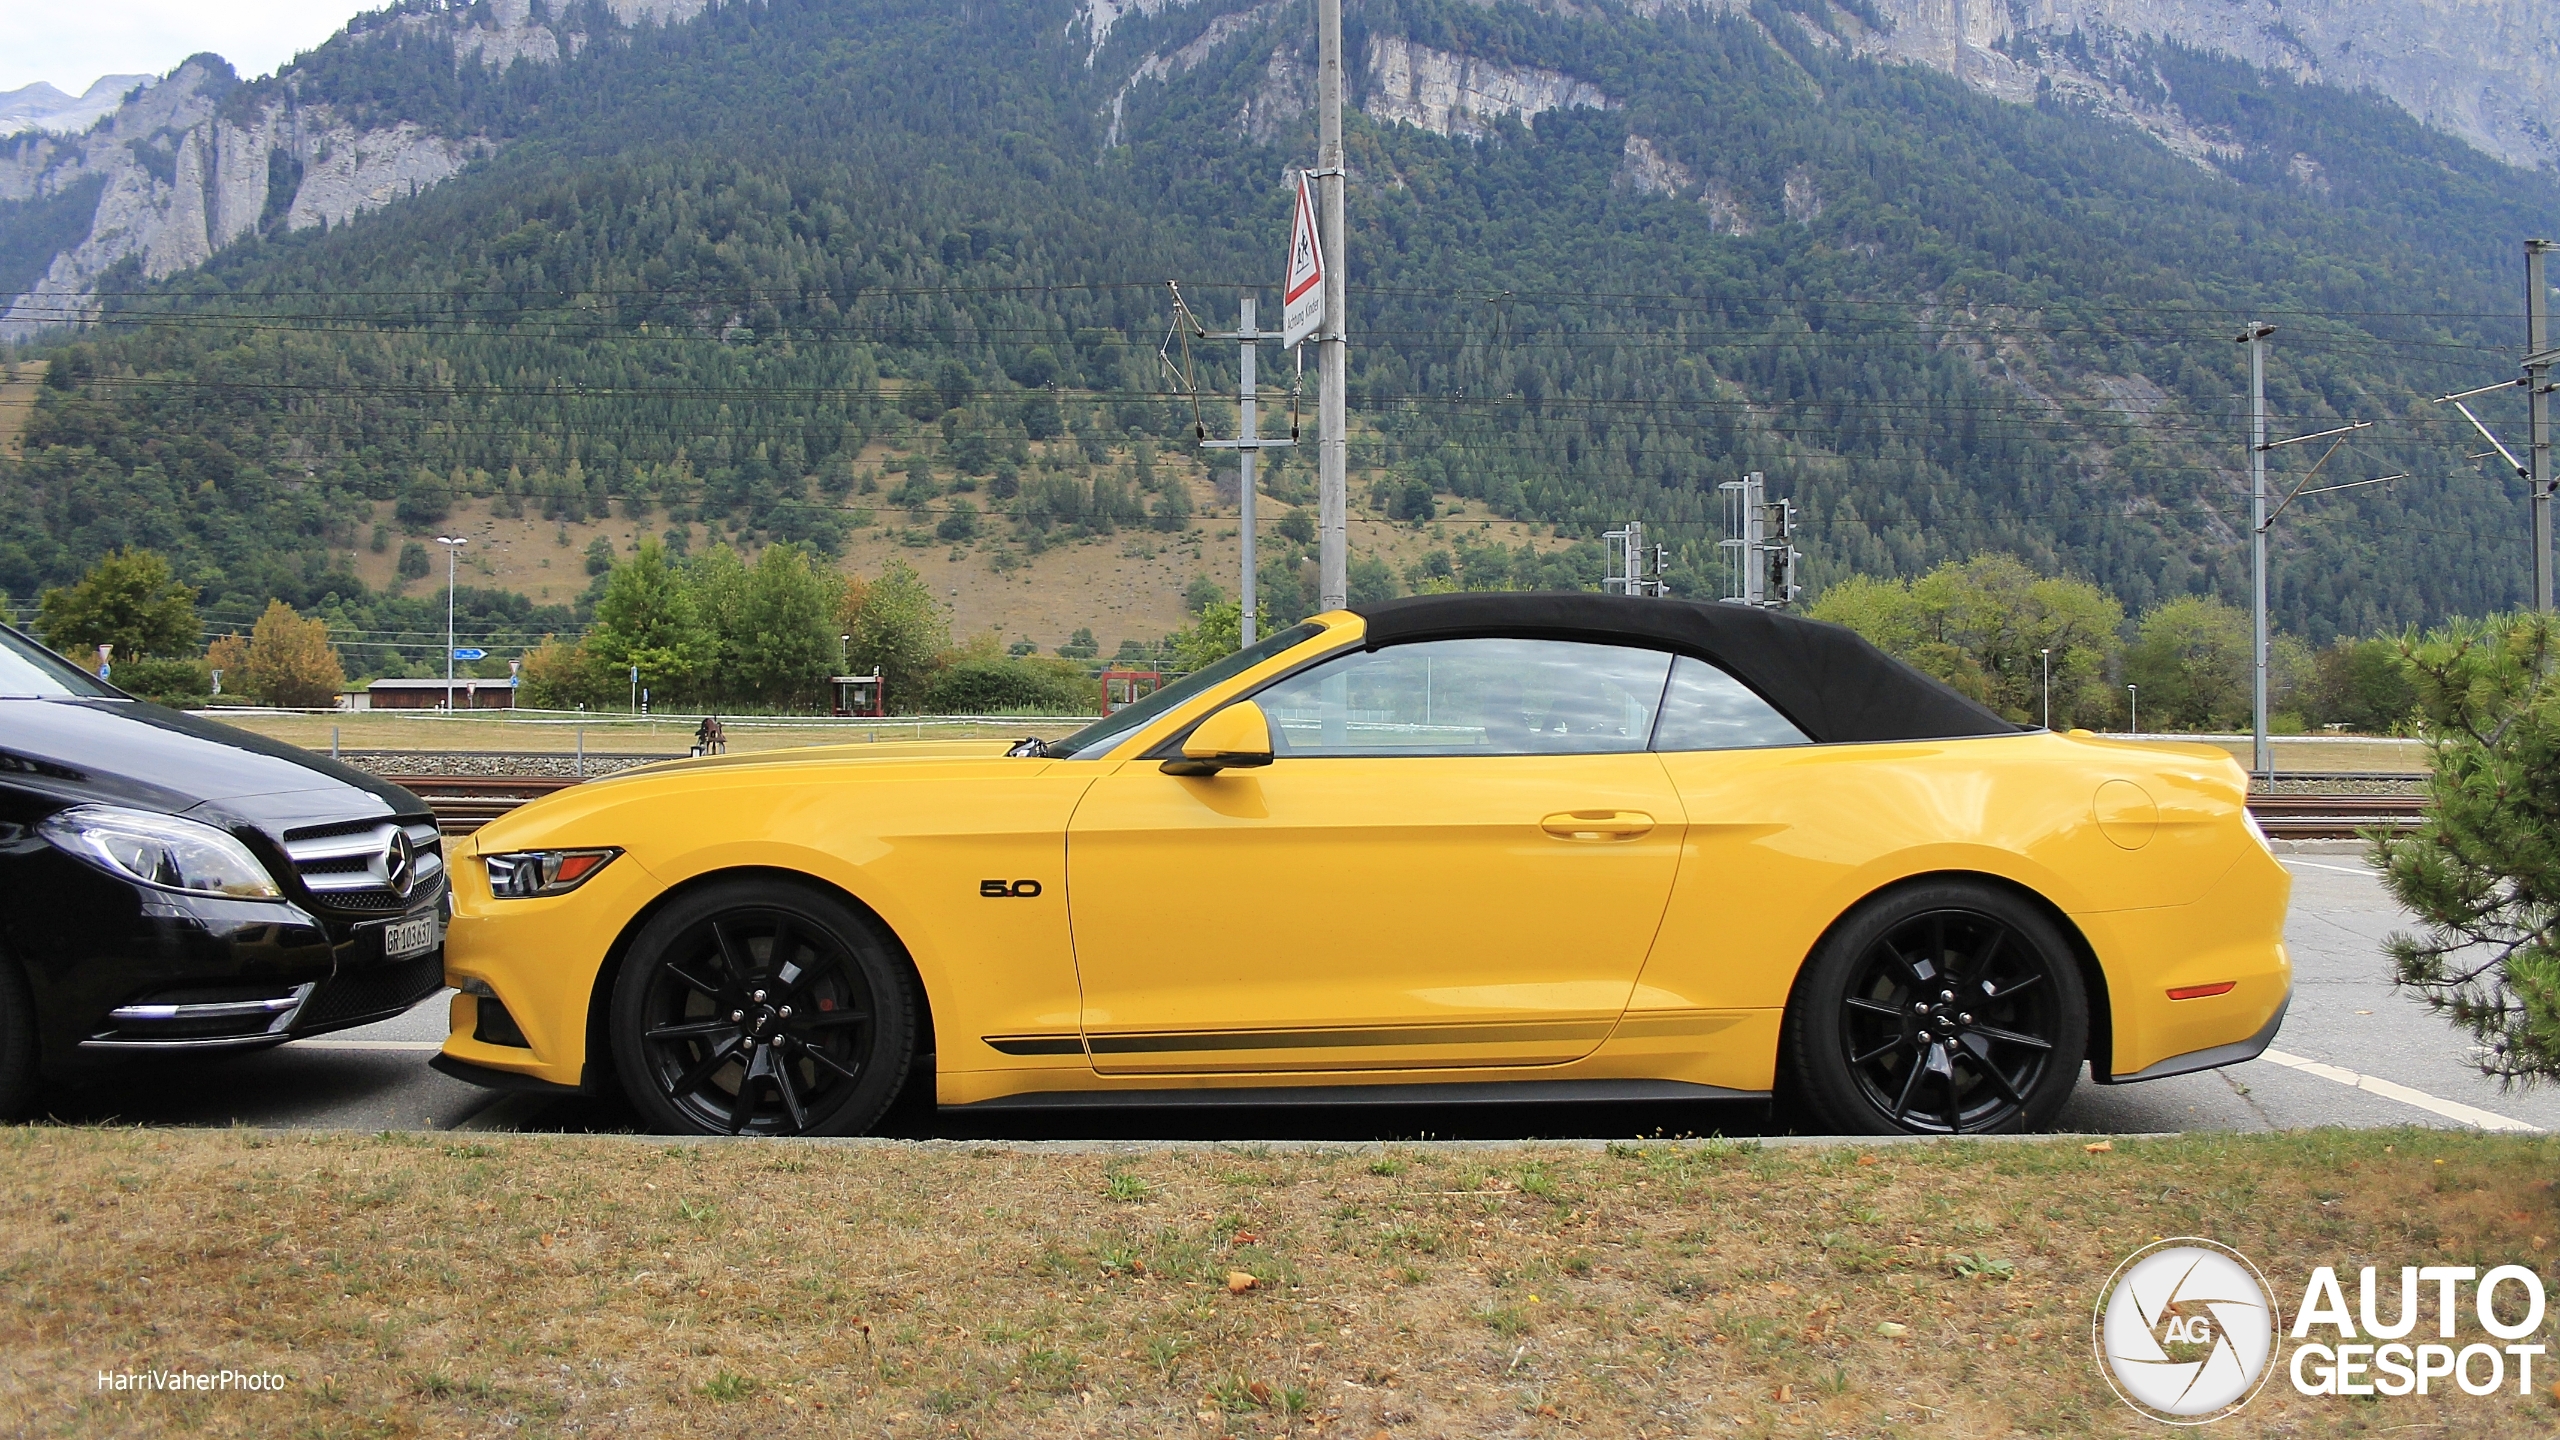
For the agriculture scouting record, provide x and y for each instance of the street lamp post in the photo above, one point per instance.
(2133, 705)
(452, 552)
(2048, 687)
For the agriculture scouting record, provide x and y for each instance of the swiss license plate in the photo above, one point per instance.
(412, 936)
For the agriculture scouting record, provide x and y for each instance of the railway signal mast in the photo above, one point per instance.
(1763, 563)
(1635, 568)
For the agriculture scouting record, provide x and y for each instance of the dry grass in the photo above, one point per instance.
(2328, 755)
(1123, 586)
(432, 1284)
(18, 386)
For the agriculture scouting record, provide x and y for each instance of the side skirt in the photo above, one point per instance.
(1476, 1092)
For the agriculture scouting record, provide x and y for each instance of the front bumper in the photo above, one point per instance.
(117, 966)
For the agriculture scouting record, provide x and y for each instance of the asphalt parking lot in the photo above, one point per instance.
(2353, 1052)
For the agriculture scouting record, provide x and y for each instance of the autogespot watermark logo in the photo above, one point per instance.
(2185, 1331)
(2188, 1331)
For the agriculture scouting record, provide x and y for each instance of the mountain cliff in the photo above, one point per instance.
(186, 167)
(42, 107)
(166, 180)
(2487, 71)
(891, 273)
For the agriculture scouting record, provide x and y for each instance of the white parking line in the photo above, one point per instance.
(2338, 869)
(413, 1045)
(2449, 1109)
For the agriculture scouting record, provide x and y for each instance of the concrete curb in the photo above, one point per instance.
(1252, 1148)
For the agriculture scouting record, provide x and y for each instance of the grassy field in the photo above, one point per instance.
(669, 735)
(450, 1285)
(492, 730)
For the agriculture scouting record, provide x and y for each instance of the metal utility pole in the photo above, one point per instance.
(1333, 485)
(2261, 754)
(1247, 444)
(2538, 359)
(2534, 469)
(452, 552)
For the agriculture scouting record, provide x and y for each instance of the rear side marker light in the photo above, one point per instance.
(2204, 992)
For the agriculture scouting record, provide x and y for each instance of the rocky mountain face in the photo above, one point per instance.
(200, 160)
(42, 107)
(1450, 94)
(2485, 70)
(191, 165)
(178, 175)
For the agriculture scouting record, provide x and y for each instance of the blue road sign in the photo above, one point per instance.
(468, 653)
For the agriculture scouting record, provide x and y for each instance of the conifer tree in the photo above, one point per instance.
(2482, 870)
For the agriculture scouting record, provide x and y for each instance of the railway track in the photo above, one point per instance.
(2332, 817)
(464, 803)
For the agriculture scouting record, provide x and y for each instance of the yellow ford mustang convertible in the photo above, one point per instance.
(1460, 847)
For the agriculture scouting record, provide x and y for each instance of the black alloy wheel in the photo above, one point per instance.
(762, 1008)
(1942, 1009)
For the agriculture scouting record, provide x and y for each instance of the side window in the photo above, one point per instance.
(1471, 697)
(1707, 709)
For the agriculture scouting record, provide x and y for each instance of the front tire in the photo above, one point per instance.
(763, 1008)
(1945, 1008)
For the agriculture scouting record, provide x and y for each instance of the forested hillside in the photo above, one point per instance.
(799, 268)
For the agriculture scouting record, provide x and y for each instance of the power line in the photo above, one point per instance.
(751, 292)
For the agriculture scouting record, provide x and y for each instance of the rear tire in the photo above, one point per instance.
(763, 1007)
(1944, 1008)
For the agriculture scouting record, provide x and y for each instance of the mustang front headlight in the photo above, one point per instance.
(161, 850)
(523, 874)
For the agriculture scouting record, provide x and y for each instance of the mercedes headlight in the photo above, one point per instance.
(161, 850)
(523, 874)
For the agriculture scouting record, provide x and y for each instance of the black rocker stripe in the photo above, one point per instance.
(1035, 1044)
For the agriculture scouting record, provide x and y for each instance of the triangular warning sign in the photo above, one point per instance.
(1302, 298)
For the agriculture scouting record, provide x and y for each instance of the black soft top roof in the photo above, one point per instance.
(1835, 686)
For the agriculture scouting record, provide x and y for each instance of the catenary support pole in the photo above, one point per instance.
(1249, 431)
(1248, 443)
(1333, 492)
(2537, 390)
(2260, 753)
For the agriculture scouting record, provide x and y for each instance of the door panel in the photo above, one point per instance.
(1338, 912)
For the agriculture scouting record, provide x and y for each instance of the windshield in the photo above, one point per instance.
(1096, 737)
(28, 670)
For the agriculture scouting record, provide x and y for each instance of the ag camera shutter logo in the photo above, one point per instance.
(2186, 1331)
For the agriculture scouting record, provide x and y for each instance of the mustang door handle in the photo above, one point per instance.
(1597, 824)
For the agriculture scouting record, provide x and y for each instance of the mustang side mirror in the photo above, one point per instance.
(1236, 738)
